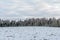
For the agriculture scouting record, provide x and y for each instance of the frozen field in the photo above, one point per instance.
(29, 33)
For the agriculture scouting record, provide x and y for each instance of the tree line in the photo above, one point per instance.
(52, 22)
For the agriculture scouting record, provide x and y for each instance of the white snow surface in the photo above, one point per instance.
(29, 33)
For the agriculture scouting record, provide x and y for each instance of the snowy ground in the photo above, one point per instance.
(29, 33)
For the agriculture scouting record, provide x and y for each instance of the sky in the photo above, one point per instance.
(29, 8)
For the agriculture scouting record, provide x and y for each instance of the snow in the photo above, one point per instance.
(29, 33)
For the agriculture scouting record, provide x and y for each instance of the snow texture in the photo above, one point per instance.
(29, 33)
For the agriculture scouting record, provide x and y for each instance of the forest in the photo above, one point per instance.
(51, 22)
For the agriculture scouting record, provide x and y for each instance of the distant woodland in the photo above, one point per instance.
(51, 22)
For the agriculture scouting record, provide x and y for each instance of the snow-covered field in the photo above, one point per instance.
(29, 33)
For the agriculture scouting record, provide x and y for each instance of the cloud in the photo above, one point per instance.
(15, 5)
(29, 8)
